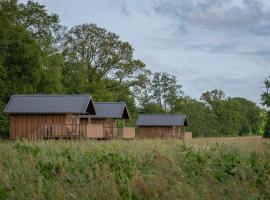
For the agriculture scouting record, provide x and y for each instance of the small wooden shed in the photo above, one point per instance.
(161, 126)
(48, 116)
(107, 115)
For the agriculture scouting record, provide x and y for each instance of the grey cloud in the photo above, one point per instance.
(124, 9)
(227, 48)
(262, 30)
(263, 54)
(217, 14)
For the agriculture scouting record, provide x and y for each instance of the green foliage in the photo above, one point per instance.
(20, 61)
(266, 95)
(3, 122)
(217, 115)
(250, 117)
(235, 116)
(152, 108)
(99, 54)
(51, 75)
(202, 121)
(266, 102)
(19, 58)
(162, 89)
(21, 148)
(267, 126)
(132, 170)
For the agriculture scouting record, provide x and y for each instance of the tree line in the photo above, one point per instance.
(39, 55)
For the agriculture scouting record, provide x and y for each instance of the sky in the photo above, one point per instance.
(207, 44)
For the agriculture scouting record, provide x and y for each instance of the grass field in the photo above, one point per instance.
(245, 144)
(203, 168)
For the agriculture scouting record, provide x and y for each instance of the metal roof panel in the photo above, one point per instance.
(42, 104)
(162, 120)
(112, 110)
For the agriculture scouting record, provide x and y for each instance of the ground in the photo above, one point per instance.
(203, 168)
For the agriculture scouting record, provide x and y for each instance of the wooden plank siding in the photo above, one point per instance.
(161, 132)
(154, 132)
(95, 131)
(109, 127)
(127, 133)
(56, 126)
(23, 126)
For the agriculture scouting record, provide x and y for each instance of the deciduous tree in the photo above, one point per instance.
(266, 102)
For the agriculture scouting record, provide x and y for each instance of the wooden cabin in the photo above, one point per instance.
(107, 115)
(163, 126)
(49, 116)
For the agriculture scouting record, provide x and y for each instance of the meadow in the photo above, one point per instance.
(203, 168)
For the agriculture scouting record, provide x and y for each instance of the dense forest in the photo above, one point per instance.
(39, 55)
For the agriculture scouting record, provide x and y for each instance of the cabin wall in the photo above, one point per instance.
(109, 127)
(94, 131)
(22, 126)
(162, 132)
(127, 133)
(85, 121)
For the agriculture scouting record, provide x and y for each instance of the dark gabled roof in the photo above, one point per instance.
(111, 110)
(162, 120)
(46, 104)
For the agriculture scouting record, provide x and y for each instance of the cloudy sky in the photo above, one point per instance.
(207, 44)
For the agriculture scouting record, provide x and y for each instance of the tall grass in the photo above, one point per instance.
(150, 169)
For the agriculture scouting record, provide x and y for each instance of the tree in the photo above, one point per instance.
(46, 31)
(266, 94)
(266, 102)
(236, 116)
(51, 74)
(213, 99)
(164, 89)
(44, 27)
(99, 54)
(267, 126)
(19, 59)
(202, 121)
(152, 108)
(250, 115)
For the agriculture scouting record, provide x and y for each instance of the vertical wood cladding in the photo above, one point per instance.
(162, 132)
(23, 126)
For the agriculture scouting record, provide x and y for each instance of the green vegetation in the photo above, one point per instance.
(266, 102)
(168, 169)
(39, 55)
